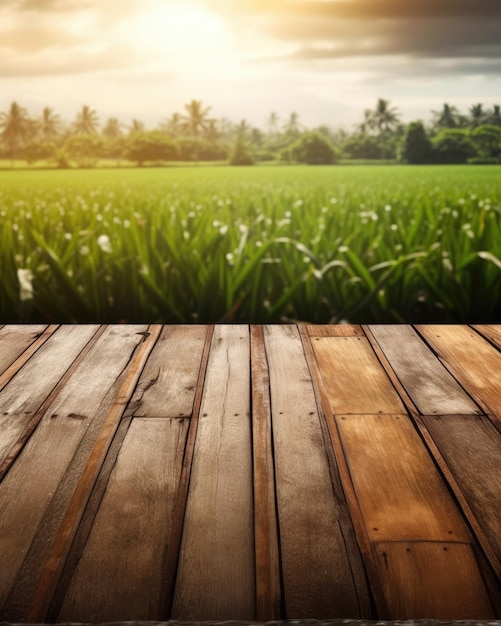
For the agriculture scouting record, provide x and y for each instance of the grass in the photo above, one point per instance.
(262, 244)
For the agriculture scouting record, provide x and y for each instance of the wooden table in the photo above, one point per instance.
(249, 472)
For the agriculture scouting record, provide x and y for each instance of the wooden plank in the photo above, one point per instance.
(335, 330)
(430, 386)
(401, 493)
(34, 494)
(131, 529)
(31, 426)
(492, 332)
(268, 592)
(317, 575)
(26, 392)
(471, 359)
(216, 574)
(471, 446)
(15, 339)
(354, 379)
(438, 580)
(167, 387)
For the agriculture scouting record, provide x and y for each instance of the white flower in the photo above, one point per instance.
(25, 278)
(84, 250)
(103, 241)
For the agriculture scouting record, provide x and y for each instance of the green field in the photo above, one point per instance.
(261, 244)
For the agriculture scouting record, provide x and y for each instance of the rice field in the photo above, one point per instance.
(263, 244)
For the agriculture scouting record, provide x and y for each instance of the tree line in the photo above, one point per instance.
(193, 135)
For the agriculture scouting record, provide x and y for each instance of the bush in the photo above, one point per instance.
(149, 146)
(38, 151)
(453, 145)
(313, 149)
(416, 146)
(85, 149)
(240, 155)
(197, 149)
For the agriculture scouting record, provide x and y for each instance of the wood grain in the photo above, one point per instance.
(167, 387)
(268, 592)
(436, 580)
(431, 387)
(130, 532)
(39, 476)
(354, 379)
(14, 340)
(471, 359)
(335, 330)
(216, 574)
(471, 446)
(26, 392)
(401, 494)
(491, 331)
(317, 575)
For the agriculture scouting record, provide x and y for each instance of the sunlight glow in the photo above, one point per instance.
(185, 29)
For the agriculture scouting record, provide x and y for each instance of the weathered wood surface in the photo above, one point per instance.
(249, 472)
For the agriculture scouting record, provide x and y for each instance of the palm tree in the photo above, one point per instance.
(195, 120)
(292, 125)
(273, 123)
(86, 121)
(448, 117)
(477, 114)
(173, 125)
(494, 116)
(136, 127)
(386, 118)
(16, 127)
(242, 130)
(211, 132)
(368, 123)
(112, 128)
(49, 124)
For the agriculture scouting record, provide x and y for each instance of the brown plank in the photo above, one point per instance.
(471, 359)
(471, 446)
(26, 392)
(401, 493)
(216, 575)
(354, 379)
(15, 339)
(34, 494)
(31, 426)
(335, 330)
(436, 580)
(317, 575)
(268, 592)
(491, 331)
(130, 532)
(167, 387)
(431, 387)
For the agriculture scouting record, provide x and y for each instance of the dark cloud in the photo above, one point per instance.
(412, 29)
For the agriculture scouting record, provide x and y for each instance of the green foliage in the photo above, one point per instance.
(241, 155)
(362, 146)
(198, 149)
(487, 139)
(150, 146)
(313, 149)
(84, 149)
(38, 151)
(416, 145)
(453, 146)
(262, 244)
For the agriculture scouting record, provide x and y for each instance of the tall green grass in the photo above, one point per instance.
(361, 244)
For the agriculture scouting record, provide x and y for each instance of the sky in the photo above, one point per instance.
(326, 60)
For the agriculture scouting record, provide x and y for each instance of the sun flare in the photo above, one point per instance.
(186, 29)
